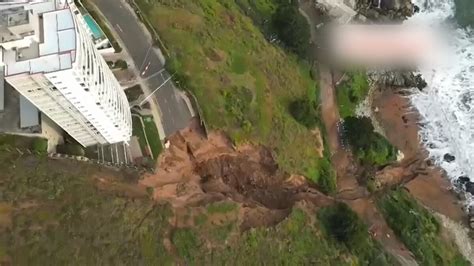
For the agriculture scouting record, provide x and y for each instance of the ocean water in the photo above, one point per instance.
(447, 104)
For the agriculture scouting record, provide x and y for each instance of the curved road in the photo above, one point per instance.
(175, 114)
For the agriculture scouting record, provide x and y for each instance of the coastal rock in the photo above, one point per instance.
(471, 221)
(420, 83)
(463, 179)
(400, 79)
(416, 9)
(470, 187)
(449, 158)
(470, 210)
(387, 10)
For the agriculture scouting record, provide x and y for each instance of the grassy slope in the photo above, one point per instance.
(298, 240)
(243, 83)
(52, 214)
(350, 93)
(152, 135)
(419, 230)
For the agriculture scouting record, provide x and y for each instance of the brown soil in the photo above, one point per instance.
(341, 158)
(5, 216)
(198, 169)
(426, 183)
(349, 190)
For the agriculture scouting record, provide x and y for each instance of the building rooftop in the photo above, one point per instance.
(38, 37)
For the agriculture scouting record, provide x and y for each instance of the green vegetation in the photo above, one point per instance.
(21, 142)
(219, 54)
(34, 144)
(64, 212)
(221, 207)
(351, 92)
(153, 147)
(292, 28)
(296, 241)
(137, 131)
(260, 12)
(343, 224)
(152, 135)
(40, 146)
(325, 177)
(200, 219)
(91, 9)
(306, 110)
(369, 146)
(418, 229)
(186, 243)
(52, 213)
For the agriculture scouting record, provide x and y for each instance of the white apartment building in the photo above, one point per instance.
(48, 56)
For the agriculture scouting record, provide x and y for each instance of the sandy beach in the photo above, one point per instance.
(400, 124)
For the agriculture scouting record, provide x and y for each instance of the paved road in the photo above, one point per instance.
(174, 112)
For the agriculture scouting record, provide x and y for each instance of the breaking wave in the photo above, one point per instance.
(447, 104)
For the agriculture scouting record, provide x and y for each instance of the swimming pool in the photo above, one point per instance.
(96, 31)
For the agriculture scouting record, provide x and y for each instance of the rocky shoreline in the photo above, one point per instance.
(427, 182)
(400, 121)
(386, 11)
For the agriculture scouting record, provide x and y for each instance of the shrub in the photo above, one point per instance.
(342, 223)
(370, 147)
(292, 28)
(40, 146)
(237, 105)
(186, 243)
(326, 176)
(350, 93)
(305, 112)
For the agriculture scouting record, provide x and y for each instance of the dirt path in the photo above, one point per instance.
(341, 159)
(349, 190)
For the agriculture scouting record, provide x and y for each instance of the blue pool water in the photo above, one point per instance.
(96, 31)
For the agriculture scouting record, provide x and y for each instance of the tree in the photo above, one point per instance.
(342, 223)
(369, 146)
(305, 112)
(292, 28)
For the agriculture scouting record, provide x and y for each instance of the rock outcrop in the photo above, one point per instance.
(386, 11)
(398, 79)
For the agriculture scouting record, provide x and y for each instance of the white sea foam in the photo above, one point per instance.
(447, 104)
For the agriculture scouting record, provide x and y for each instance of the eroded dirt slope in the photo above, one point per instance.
(199, 169)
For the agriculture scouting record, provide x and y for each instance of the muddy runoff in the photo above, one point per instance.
(198, 169)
